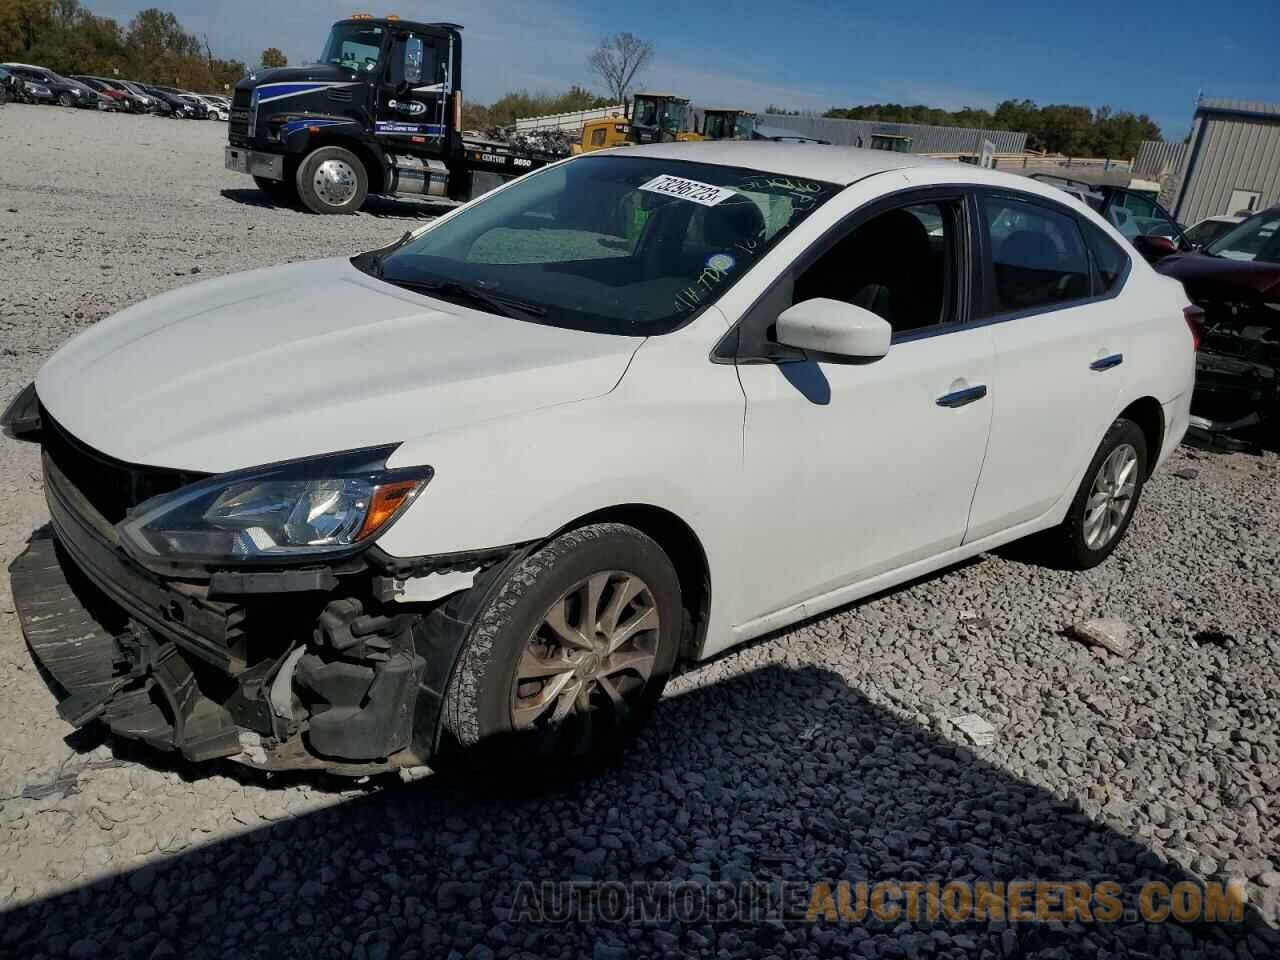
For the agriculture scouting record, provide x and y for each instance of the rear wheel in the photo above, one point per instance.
(567, 660)
(1104, 505)
(332, 180)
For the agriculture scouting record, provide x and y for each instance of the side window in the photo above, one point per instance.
(1038, 257)
(900, 265)
(1109, 260)
(597, 137)
(1136, 215)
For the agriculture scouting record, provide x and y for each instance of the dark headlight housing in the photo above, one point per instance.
(298, 511)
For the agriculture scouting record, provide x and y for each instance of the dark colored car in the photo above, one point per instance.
(191, 106)
(66, 92)
(150, 101)
(177, 107)
(1236, 281)
(123, 98)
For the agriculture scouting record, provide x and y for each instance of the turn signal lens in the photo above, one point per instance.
(388, 500)
(1195, 322)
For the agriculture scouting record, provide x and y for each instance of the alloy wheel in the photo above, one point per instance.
(1111, 497)
(592, 652)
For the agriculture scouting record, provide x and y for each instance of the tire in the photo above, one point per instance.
(332, 180)
(1078, 543)
(65, 100)
(497, 719)
(280, 191)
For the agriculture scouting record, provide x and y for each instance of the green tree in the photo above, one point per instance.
(273, 57)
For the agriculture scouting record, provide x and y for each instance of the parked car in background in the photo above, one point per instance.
(149, 100)
(501, 489)
(219, 107)
(1235, 280)
(64, 91)
(119, 99)
(199, 109)
(1147, 225)
(178, 108)
(126, 99)
(1211, 228)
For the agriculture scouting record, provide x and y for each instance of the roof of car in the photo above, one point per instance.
(834, 164)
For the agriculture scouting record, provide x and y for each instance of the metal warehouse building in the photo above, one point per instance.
(924, 138)
(1233, 161)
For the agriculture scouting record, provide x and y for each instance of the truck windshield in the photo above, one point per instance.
(353, 45)
(624, 245)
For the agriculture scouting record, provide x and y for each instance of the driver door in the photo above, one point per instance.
(412, 99)
(857, 469)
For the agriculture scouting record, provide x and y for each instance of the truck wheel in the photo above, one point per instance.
(569, 655)
(332, 180)
(280, 191)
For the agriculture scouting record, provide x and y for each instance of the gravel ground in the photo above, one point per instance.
(825, 752)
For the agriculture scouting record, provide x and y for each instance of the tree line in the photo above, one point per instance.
(1058, 128)
(152, 48)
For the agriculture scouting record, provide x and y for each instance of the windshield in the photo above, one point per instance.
(1258, 238)
(625, 245)
(745, 127)
(354, 46)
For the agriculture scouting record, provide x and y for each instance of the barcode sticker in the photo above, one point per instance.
(707, 194)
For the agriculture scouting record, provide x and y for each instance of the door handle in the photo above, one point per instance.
(958, 398)
(1106, 363)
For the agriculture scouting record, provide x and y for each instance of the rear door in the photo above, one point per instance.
(1060, 348)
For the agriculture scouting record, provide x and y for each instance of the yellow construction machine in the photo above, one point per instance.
(653, 118)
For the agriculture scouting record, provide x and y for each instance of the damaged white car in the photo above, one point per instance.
(482, 488)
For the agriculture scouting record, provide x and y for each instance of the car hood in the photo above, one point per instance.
(306, 359)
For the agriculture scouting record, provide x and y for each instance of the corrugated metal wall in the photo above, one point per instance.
(1156, 158)
(1236, 153)
(924, 139)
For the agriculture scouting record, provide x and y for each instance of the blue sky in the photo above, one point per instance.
(1145, 56)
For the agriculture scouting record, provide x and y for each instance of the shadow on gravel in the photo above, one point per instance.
(392, 208)
(782, 775)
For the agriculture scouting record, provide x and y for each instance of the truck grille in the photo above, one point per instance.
(111, 486)
(238, 119)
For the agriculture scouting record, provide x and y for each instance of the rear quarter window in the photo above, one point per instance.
(1110, 262)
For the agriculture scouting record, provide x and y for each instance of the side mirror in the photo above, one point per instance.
(1155, 248)
(413, 49)
(834, 328)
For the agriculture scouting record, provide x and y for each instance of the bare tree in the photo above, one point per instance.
(617, 60)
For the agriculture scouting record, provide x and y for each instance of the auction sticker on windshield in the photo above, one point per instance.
(707, 194)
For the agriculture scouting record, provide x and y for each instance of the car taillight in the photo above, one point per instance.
(1195, 322)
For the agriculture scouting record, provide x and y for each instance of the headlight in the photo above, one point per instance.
(280, 513)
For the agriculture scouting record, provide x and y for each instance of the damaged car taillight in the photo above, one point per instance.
(1195, 321)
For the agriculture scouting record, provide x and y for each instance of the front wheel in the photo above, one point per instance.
(568, 657)
(332, 180)
(64, 99)
(1108, 496)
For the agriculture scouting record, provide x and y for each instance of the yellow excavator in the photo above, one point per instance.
(653, 118)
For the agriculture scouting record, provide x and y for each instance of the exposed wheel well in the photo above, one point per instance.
(681, 544)
(1149, 416)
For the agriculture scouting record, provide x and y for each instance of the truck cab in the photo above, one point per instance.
(728, 123)
(380, 112)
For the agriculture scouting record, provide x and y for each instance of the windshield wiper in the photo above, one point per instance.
(460, 292)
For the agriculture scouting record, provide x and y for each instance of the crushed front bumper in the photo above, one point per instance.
(328, 679)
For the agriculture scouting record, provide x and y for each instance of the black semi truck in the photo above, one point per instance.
(381, 113)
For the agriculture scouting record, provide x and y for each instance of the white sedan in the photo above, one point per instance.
(482, 488)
